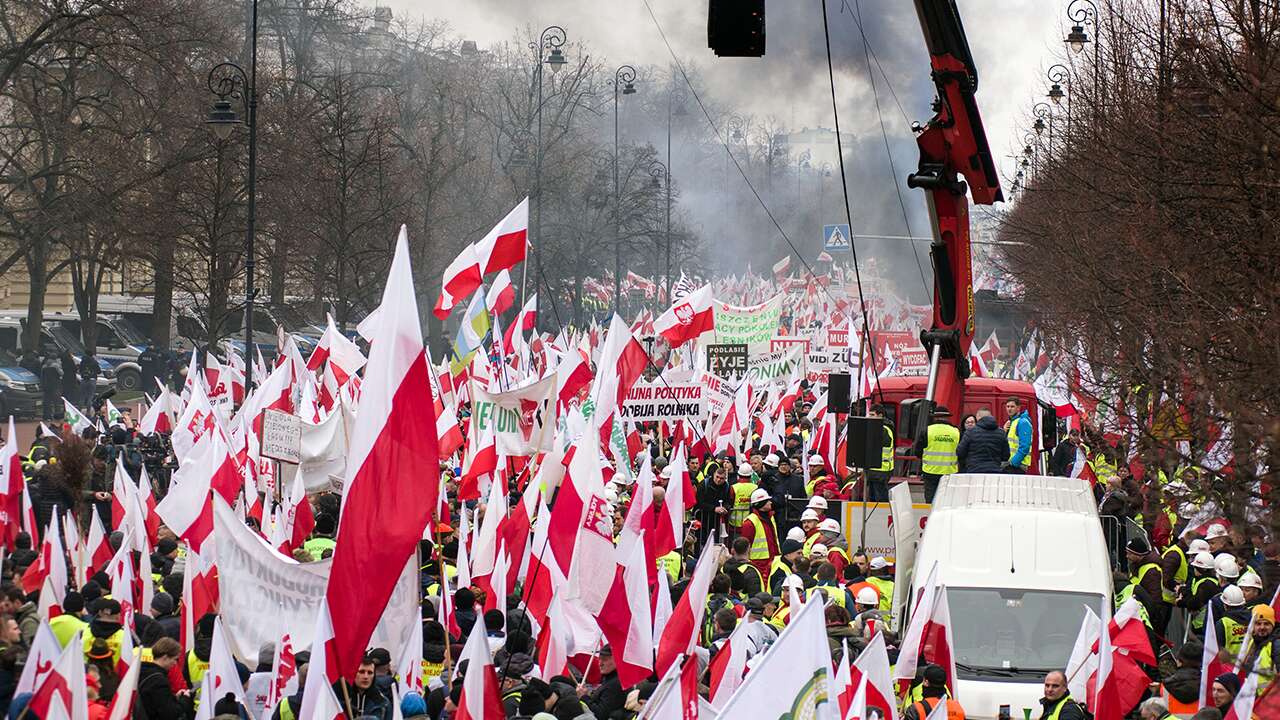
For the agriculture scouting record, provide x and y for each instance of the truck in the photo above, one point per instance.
(1022, 557)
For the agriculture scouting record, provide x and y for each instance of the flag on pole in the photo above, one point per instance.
(505, 245)
(688, 318)
(73, 417)
(681, 632)
(460, 279)
(481, 698)
(793, 677)
(392, 470)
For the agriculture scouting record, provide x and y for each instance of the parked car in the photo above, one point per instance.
(55, 336)
(19, 388)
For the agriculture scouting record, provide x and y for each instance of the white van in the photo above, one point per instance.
(1021, 556)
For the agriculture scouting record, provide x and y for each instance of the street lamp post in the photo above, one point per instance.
(1083, 13)
(661, 174)
(1044, 120)
(677, 96)
(552, 39)
(623, 82)
(1059, 75)
(229, 81)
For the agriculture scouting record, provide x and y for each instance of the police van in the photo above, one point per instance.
(1021, 557)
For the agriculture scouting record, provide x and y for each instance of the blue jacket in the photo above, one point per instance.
(984, 448)
(1022, 426)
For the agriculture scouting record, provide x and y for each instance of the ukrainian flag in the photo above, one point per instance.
(472, 333)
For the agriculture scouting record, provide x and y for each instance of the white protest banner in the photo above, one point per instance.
(717, 394)
(519, 418)
(263, 594)
(281, 436)
(819, 364)
(879, 526)
(669, 402)
(753, 325)
(769, 366)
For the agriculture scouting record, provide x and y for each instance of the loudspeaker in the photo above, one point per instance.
(865, 440)
(735, 28)
(838, 392)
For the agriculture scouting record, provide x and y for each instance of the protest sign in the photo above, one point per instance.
(879, 526)
(727, 359)
(765, 367)
(263, 594)
(668, 402)
(519, 418)
(281, 436)
(786, 341)
(904, 349)
(753, 325)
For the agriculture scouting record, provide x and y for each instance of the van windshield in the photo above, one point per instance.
(1024, 631)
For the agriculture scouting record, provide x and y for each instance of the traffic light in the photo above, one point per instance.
(735, 28)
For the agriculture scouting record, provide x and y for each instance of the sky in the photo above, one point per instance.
(1012, 42)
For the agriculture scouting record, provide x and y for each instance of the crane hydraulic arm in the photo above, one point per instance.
(953, 154)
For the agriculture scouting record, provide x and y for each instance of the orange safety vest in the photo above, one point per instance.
(1177, 707)
(923, 708)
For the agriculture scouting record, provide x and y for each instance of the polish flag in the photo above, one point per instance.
(199, 593)
(186, 510)
(51, 563)
(98, 548)
(44, 652)
(198, 420)
(122, 703)
(501, 295)
(221, 678)
(622, 361)
(730, 663)
(392, 458)
(344, 356)
(1242, 707)
(796, 663)
(1210, 666)
(63, 693)
(928, 635)
(639, 523)
(872, 666)
(481, 460)
(460, 279)
(669, 533)
(160, 416)
(1104, 701)
(661, 606)
(688, 318)
(481, 698)
(555, 640)
(506, 243)
(513, 339)
(12, 486)
(592, 569)
(544, 576)
(409, 664)
(318, 700)
(572, 374)
(681, 632)
(284, 672)
(626, 623)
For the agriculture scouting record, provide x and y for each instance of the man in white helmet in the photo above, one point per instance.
(1217, 537)
(1232, 626)
(809, 520)
(742, 490)
(868, 618)
(1203, 587)
(882, 578)
(761, 531)
(1251, 585)
(829, 534)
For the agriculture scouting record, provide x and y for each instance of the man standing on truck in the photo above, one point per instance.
(877, 485)
(1019, 431)
(938, 454)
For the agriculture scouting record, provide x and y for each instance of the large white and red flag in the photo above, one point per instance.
(318, 699)
(63, 692)
(625, 618)
(872, 666)
(12, 484)
(342, 354)
(683, 628)
(460, 279)
(928, 635)
(688, 318)
(161, 416)
(592, 570)
(501, 295)
(792, 678)
(730, 663)
(481, 698)
(622, 361)
(506, 243)
(393, 469)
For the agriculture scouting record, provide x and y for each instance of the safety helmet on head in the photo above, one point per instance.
(1197, 546)
(867, 596)
(1203, 560)
(830, 525)
(818, 549)
(879, 563)
(815, 460)
(760, 495)
(1215, 531)
(817, 502)
(796, 534)
(794, 581)
(809, 514)
(771, 460)
(1226, 565)
(744, 470)
(1251, 580)
(1232, 596)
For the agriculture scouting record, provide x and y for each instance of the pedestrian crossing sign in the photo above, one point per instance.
(836, 238)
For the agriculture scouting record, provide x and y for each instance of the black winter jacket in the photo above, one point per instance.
(155, 698)
(984, 448)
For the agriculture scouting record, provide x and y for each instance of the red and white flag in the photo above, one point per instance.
(460, 279)
(392, 469)
(318, 700)
(187, 509)
(284, 672)
(126, 693)
(160, 417)
(872, 666)
(625, 617)
(63, 692)
(688, 318)
(592, 569)
(622, 361)
(730, 663)
(796, 668)
(501, 295)
(12, 485)
(505, 244)
(681, 632)
(343, 355)
(928, 635)
(781, 267)
(481, 697)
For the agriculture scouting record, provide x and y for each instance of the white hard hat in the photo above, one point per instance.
(796, 534)
(817, 502)
(771, 460)
(815, 460)
(759, 495)
(744, 470)
(1250, 579)
(1215, 531)
(611, 495)
(867, 596)
(879, 563)
(666, 472)
(794, 581)
(1232, 596)
(830, 525)
(818, 549)
(1203, 560)
(809, 514)
(1226, 565)
(1197, 546)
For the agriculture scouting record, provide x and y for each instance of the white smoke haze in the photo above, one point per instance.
(787, 91)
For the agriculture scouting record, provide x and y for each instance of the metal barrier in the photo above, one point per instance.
(1117, 532)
